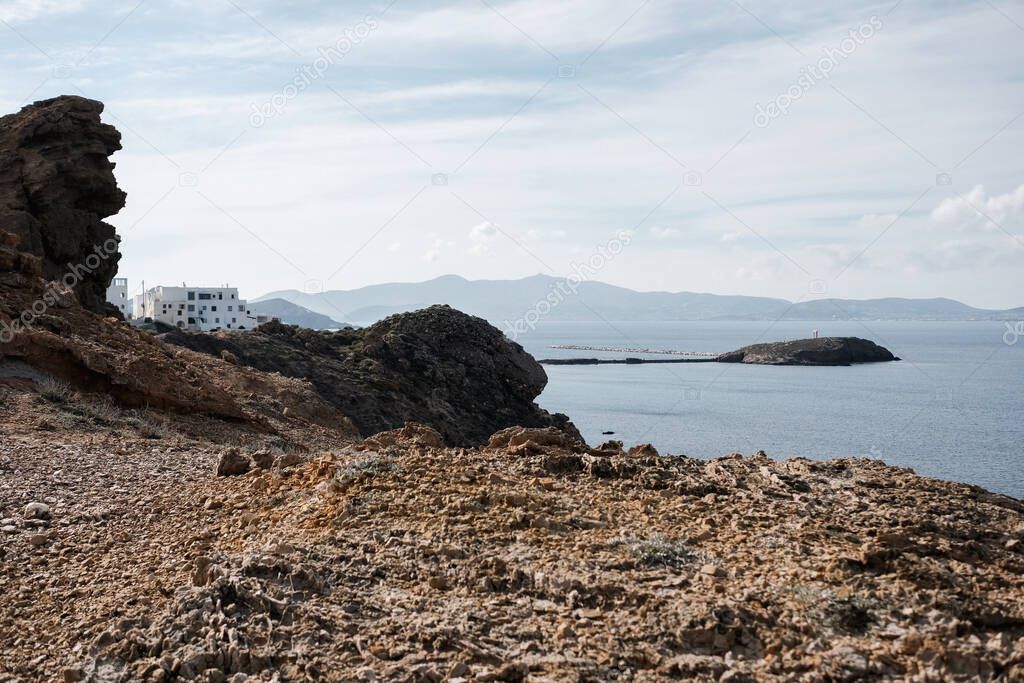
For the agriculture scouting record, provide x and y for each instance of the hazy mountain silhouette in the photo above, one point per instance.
(510, 300)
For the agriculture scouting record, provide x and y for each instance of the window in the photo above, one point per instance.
(241, 309)
(179, 314)
(229, 308)
(217, 321)
(191, 321)
(191, 307)
(232, 296)
(191, 296)
(234, 320)
(213, 308)
(204, 296)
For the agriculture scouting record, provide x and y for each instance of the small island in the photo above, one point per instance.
(823, 351)
(836, 351)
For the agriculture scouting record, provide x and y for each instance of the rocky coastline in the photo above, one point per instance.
(390, 504)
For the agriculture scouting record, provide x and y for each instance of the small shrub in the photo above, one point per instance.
(658, 551)
(361, 468)
(56, 390)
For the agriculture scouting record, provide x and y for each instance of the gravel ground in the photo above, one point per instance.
(533, 559)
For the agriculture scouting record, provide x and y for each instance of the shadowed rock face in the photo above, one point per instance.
(823, 351)
(438, 366)
(56, 187)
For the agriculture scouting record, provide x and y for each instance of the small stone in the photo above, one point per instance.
(74, 674)
(1013, 544)
(263, 459)
(289, 460)
(9, 529)
(38, 539)
(711, 570)
(37, 511)
(233, 463)
(438, 582)
(212, 504)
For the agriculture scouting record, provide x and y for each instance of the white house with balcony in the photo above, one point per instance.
(117, 296)
(193, 308)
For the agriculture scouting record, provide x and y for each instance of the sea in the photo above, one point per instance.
(952, 408)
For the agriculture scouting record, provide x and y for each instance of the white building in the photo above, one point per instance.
(117, 296)
(193, 308)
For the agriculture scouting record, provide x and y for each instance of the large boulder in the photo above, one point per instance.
(56, 187)
(438, 366)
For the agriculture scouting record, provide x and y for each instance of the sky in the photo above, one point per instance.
(760, 147)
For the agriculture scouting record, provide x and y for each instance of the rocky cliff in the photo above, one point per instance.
(438, 366)
(56, 187)
(823, 351)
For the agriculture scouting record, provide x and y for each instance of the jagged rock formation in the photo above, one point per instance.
(56, 184)
(451, 371)
(56, 187)
(823, 351)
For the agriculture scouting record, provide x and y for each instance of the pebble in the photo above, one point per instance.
(38, 539)
(37, 511)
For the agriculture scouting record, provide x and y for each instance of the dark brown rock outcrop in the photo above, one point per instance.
(823, 351)
(56, 187)
(453, 372)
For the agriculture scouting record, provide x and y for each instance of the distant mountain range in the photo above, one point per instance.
(293, 314)
(502, 301)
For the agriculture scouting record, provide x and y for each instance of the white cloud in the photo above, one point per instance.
(18, 11)
(979, 209)
(664, 232)
(482, 235)
(433, 253)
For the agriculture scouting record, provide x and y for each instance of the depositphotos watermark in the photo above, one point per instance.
(75, 274)
(822, 70)
(569, 285)
(309, 74)
(1013, 333)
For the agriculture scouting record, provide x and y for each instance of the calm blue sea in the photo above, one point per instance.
(952, 409)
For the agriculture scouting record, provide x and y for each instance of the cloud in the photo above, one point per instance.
(979, 209)
(970, 254)
(18, 11)
(663, 232)
(482, 235)
(433, 253)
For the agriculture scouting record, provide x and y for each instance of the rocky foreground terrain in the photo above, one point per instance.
(390, 504)
(533, 558)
